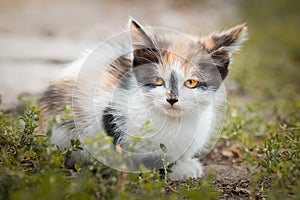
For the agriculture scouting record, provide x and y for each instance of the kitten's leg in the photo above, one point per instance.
(185, 168)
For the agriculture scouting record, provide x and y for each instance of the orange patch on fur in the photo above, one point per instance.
(169, 58)
(208, 42)
(237, 30)
(107, 82)
(180, 52)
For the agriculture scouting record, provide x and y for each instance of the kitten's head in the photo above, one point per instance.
(180, 73)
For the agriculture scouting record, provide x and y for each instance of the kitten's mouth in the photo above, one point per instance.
(172, 110)
(171, 107)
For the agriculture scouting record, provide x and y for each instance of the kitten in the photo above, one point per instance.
(157, 93)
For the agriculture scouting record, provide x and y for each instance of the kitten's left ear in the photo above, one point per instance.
(221, 46)
(229, 40)
(144, 49)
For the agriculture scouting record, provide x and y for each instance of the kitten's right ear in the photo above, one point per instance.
(138, 36)
(144, 49)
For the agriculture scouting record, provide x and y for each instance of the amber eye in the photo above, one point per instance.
(191, 83)
(157, 81)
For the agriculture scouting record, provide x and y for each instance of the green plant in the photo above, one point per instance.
(280, 174)
(31, 168)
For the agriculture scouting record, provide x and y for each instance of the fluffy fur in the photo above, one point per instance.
(112, 90)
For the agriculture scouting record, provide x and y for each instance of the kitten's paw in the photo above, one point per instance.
(186, 169)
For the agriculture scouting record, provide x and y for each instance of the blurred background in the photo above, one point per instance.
(39, 37)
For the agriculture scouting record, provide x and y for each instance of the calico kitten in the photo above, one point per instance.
(158, 93)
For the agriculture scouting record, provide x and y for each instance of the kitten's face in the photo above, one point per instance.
(179, 74)
(178, 86)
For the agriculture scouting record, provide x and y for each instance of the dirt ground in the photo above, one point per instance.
(39, 37)
(232, 178)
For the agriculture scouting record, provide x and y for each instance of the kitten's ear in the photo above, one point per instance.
(229, 40)
(144, 49)
(138, 36)
(222, 45)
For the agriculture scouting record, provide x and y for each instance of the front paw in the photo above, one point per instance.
(184, 169)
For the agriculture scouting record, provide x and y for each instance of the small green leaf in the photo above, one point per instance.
(163, 147)
(147, 124)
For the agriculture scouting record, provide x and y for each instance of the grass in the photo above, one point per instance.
(29, 169)
(268, 73)
(269, 139)
(264, 123)
(268, 67)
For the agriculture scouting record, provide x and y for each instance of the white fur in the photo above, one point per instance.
(184, 132)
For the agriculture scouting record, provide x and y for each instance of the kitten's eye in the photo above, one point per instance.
(157, 81)
(191, 83)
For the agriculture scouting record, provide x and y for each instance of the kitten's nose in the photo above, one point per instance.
(172, 100)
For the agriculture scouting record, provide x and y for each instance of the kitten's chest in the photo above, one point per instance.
(179, 135)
